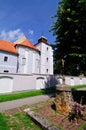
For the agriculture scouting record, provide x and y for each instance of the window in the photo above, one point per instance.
(47, 59)
(47, 48)
(5, 58)
(6, 71)
(46, 70)
(23, 61)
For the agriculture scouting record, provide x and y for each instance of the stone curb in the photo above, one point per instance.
(42, 122)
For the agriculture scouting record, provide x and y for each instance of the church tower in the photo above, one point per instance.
(46, 56)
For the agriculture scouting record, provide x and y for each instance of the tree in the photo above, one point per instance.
(70, 32)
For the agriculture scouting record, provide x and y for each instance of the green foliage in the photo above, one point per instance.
(70, 32)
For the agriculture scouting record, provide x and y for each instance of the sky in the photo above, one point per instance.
(31, 18)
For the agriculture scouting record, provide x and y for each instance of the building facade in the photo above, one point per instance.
(8, 57)
(25, 58)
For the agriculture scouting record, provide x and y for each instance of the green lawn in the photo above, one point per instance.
(18, 121)
(14, 96)
(78, 86)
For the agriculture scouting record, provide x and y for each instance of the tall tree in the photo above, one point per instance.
(70, 32)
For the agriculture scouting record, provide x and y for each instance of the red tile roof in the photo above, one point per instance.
(28, 44)
(7, 46)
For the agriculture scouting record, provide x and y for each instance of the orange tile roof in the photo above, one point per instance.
(28, 44)
(7, 46)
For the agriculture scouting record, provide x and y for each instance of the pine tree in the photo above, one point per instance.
(70, 32)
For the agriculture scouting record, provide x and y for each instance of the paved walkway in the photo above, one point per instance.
(20, 102)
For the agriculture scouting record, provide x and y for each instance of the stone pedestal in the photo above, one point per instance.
(63, 98)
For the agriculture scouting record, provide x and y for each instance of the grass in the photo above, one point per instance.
(78, 86)
(3, 123)
(18, 121)
(14, 96)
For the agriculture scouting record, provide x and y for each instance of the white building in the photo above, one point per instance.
(8, 57)
(46, 56)
(25, 58)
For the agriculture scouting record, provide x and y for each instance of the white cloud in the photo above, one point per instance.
(11, 35)
(31, 32)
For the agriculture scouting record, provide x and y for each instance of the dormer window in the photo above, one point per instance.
(5, 58)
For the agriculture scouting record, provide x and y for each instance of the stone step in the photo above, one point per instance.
(42, 122)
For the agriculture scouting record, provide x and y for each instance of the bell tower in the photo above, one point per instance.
(46, 56)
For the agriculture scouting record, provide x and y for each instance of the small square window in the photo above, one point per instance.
(5, 58)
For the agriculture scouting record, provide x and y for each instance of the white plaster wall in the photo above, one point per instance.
(6, 84)
(40, 83)
(25, 82)
(38, 46)
(21, 55)
(29, 61)
(74, 80)
(44, 63)
(36, 62)
(27, 53)
(51, 60)
(10, 64)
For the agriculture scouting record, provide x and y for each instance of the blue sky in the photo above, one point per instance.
(31, 18)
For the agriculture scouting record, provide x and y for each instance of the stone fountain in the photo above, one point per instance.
(63, 98)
